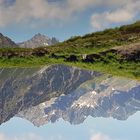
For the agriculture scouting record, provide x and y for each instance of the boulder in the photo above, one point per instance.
(72, 58)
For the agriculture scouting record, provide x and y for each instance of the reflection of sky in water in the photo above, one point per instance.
(91, 129)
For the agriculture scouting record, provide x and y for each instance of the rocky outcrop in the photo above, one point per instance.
(120, 53)
(129, 52)
(72, 58)
(6, 42)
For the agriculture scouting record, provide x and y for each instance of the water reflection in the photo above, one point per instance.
(43, 95)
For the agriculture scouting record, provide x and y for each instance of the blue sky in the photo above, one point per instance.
(91, 129)
(21, 19)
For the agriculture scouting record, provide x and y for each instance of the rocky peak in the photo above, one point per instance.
(38, 40)
(6, 42)
(40, 36)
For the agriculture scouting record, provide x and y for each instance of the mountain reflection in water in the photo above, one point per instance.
(43, 95)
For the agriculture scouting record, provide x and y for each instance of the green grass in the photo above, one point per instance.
(129, 70)
(27, 62)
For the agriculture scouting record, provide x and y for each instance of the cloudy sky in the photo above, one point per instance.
(21, 19)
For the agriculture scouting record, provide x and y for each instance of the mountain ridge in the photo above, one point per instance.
(6, 42)
(38, 40)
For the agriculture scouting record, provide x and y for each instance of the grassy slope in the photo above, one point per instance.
(88, 44)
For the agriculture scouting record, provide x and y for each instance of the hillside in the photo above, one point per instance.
(115, 51)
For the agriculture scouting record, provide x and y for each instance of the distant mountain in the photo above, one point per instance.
(6, 42)
(37, 41)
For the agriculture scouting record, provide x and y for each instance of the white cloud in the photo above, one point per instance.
(28, 10)
(100, 136)
(41, 11)
(122, 14)
(3, 137)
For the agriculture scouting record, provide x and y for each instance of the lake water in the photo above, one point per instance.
(91, 129)
(66, 103)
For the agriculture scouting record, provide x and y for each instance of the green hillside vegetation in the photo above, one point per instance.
(114, 51)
